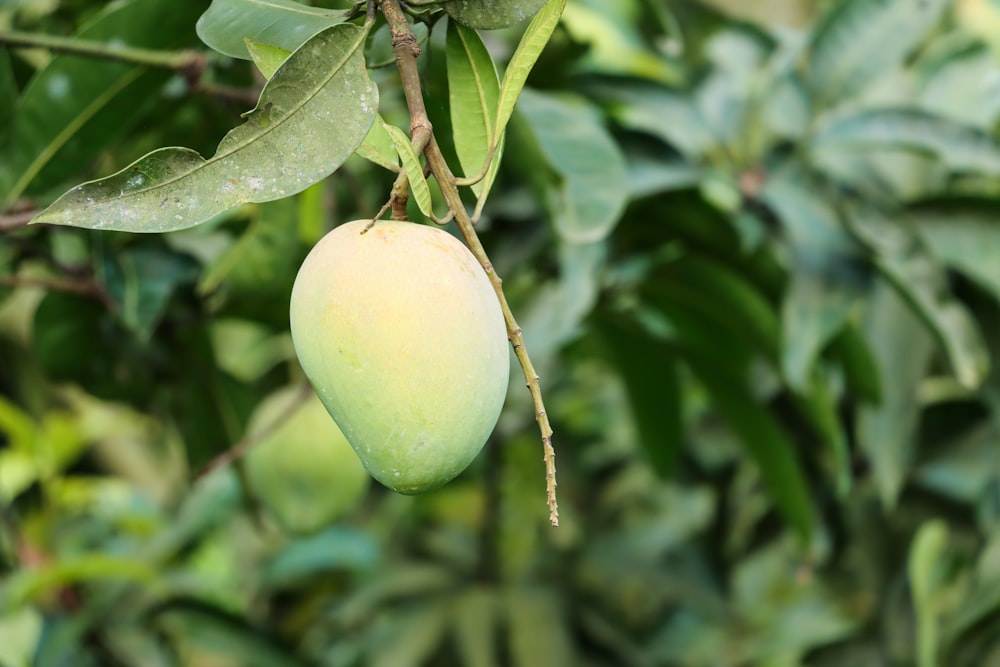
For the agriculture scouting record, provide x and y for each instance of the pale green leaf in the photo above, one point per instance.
(414, 170)
(539, 629)
(268, 58)
(378, 147)
(29, 584)
(309, 119)
(925, 569)
(409, 638)
(860, 40)
(591, 195)
(283, 23)
(528, 49)
(473, 90)
(959, 147)
(965, 238)
(491, 14)
(902, 349)
(475, 621)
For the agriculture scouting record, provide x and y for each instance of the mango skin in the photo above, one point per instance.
(304, 472)
(401, 334)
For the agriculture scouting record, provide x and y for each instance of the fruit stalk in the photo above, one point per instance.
(406, 50)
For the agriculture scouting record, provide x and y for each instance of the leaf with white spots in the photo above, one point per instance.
(311, 117)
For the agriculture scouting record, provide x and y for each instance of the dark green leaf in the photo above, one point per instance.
(763, 436)
(960, 147)
(649, 370)
(282, 23)
(8, 95)
(493, 14)
(965, 238)
(860, 40)
(861, 373)
(311, 116)
(473, 91)
(141, 279)
(73, 108)
(588, 202)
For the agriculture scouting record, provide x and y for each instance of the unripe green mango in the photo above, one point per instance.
(402, 336)
(304, 472)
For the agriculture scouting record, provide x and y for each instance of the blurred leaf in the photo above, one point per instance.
(207, 503)
(920, 283)
(534, 39)
(8, 97)
(649, 370)
(588, 201)
(960, 147)
(22, 630)
(419, 581)
(861, 373)
(658, 112)
(266, 57)
(141, 279)
(222, 634)
(29, 584)
(902, 349)
(966, 466)
(492, 15)
(410, 637)
(174, 188)
(819, 405)
(475, 625)
(333, 549)
(473, 89)
(283, 23)
(764, 438)
(859, 40)
(538, 628)
(925, 564)
(964, 237)
(76, 106)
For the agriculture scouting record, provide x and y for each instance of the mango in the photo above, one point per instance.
(402, 336)
(303, 472)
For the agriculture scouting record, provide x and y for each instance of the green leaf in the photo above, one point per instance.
(266, 57)
(8, 96)
(283, 23)
(23, 630)
(902, 349)
(528, 49)
(539, 629)
(414, 170)
(318, 555)
(26, 585)
(920, 282)
(763, 436)
(649, 370)
(409, 638)
(960, 147)
(587, 203)
(964, 236)
(850, 348)
(860, 40)
(473, 91)
(475, 621)
(311, 116)
(378, 147)
(141, 279)
(925, 569)
(75, 107)
(493, 14)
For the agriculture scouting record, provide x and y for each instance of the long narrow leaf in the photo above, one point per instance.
(414, 170)
(530, 47)
(311, 116)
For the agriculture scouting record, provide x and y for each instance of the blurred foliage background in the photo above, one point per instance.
(755, 248)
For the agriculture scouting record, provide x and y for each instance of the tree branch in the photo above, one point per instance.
(406, 49)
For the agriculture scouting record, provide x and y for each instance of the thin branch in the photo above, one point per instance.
(10, 221)
(240, 449)
(87, 287)
(189, 63)
(406, 50)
